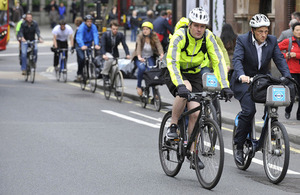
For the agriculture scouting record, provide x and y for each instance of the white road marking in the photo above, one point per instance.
(146, 116)
(228, 151)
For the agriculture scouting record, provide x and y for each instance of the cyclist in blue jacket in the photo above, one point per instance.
(87, 33)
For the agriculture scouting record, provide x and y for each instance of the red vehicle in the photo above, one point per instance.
(4, 24)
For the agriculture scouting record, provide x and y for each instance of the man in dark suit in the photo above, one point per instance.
(109, 47)
(253, 53)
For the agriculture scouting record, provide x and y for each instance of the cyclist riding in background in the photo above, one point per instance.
(87, 33)
(184, 65)
(61, 33)
(109, 47)
(27, 33)
(252, 55)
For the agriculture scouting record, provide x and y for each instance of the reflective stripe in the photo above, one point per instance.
(174, 61)
(222, 72)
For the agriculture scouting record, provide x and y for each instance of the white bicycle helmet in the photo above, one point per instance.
(199, 15)
(259, 20)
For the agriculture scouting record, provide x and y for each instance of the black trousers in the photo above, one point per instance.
(245, 120)
(60, 44)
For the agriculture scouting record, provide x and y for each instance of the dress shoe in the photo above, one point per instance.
(287, 115)
(239, 157)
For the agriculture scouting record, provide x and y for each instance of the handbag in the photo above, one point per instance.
(153, 77)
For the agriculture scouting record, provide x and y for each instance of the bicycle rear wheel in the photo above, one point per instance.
(119, 86)
(92, 77)
(210, 150)
(170, 158)
(84, 77)
(157, 100)
(247, 148)
(276, 155)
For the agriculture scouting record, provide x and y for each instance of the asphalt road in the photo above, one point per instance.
(57, 139)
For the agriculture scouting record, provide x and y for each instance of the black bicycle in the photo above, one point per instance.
(61, 69)
(152, 78)
(31, 61)
(89, 73)
(208, 147)
(115, 82)
(273, 141)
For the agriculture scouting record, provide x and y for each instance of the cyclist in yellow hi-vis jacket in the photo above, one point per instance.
(185, 55)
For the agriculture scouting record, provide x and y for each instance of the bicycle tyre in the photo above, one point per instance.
(84, 78)
(64, 71)
(144, 98)
(157, 100)
(119, 86)
(32, 74)
(92, 77)
(247, 147)
(169, 156)
(210, 150)
(217, 107)
(57, 72)
(27, 72)
(276, 162)
(107, 88)
(211, 111)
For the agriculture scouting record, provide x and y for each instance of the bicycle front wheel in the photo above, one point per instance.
(84, 77)
(32, 72)
(119, 86)
(157, 100)
(92, 77)
(210, 150)
(170, 158)
(64, 71)
(107, 88)
(276, 155)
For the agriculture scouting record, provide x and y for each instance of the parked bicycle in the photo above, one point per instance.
(31, 61)
(152, 78)
(89, 73)
(208, 139)
(61, 69)
(115, 82)
(273, 141)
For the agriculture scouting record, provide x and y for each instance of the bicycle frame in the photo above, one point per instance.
(205, 98)
(62, 56)
(271, 114)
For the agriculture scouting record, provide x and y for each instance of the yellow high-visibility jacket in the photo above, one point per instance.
(190, 61)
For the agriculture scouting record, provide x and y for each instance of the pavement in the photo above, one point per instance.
(229, 109)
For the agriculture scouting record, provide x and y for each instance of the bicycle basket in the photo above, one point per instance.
(153, 77)
(278, 95)
(210, 82)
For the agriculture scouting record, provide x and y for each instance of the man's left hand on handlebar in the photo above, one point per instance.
(227, 93)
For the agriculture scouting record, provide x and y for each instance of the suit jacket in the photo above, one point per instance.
(245, 61)
(106, 45)
(285, 34)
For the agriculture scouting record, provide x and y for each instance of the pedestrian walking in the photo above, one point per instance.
(291, 55)
(134, 25)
